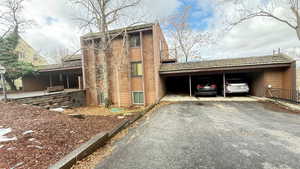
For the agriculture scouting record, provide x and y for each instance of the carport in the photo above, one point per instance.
(276, 71)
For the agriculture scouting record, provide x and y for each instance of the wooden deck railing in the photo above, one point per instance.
(284, 94)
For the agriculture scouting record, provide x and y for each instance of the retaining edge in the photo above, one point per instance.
(95, 142)
(81, 152)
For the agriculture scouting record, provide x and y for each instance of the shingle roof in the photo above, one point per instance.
(224, 63)
(68, 58)
(64, 66)
(130, 28)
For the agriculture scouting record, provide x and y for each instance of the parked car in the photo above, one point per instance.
(206, 89)
(236, 86)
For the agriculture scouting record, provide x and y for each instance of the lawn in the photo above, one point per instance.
(32, 137)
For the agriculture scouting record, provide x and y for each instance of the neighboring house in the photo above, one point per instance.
(67, 74)
(27, 54)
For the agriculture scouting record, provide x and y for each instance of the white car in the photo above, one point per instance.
(236, 86)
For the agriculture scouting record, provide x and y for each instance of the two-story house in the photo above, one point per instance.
(133, 66)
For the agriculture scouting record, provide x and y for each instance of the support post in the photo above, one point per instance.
(190, 84)
(68, 80)
(4, 87)
(224, 84)
(80, 82)
(50, 79)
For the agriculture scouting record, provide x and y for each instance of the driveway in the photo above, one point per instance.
(212, 135)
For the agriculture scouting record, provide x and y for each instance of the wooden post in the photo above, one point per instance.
(224, 85)
(50, 79)
(190, 84)
(80, 82)
(3, 87)
(68, 81)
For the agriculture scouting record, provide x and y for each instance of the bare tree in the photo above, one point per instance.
(11, 18)
(186, 41)
(283, 11)
(101, 14)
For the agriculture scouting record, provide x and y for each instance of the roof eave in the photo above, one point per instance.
(226, 68)
(115, 32)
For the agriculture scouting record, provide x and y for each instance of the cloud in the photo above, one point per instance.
(56, 28)
(255, 37)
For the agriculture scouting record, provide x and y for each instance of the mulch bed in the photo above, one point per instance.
(54, 135)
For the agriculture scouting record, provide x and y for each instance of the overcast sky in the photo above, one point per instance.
(56, 29)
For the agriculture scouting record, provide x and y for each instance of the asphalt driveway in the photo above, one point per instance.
(212, 135)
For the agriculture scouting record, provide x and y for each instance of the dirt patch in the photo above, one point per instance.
(102, 111)
(43, 137)
(278, 107)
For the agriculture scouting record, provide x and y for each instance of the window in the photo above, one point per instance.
(135, 41)
(21, 55)
(97, 46)
(138, 97)
(136, 69)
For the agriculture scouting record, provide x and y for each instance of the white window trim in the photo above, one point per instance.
(132, 93)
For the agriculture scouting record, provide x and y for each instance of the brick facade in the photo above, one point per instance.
(121, 82)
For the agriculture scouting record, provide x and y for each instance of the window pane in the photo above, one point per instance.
(139, 69)
(137, 41)
(138, 97)
(141, 97)
(136, 69)
(134, 41)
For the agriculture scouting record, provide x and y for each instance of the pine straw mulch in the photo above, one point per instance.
(53, 135)
(104, 152)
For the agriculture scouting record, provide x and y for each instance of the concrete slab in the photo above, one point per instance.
(184, 98)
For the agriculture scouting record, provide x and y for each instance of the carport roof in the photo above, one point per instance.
(227, 63)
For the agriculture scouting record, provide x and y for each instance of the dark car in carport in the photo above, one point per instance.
(206, 89)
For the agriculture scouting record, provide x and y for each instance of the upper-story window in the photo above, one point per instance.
(136, 69)
(135, 40)
(21, 55)
(97, 46)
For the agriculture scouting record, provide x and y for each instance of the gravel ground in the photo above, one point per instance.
(44, 137)
(211, 135)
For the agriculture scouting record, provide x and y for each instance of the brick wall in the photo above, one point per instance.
(121, 83)
(160, 52)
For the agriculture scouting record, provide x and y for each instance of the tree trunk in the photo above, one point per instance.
(298, 32)
(105, 76)
(106, 50)
(11, 84)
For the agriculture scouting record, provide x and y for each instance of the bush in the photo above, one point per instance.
(107, 103)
